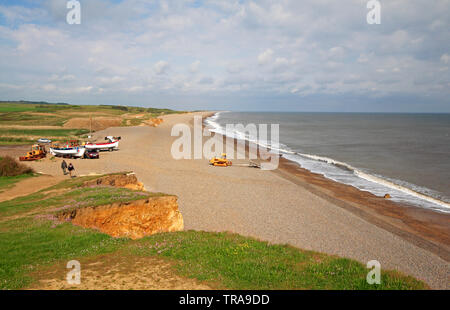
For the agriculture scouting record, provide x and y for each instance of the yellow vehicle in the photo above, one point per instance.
(221, 162)
(37, 152)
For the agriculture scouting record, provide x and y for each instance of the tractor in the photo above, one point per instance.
(221, 162)
(37, 152)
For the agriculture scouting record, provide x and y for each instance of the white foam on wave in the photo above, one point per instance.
(217, 128)
(382, 181)
(343, 172)
(211, 122)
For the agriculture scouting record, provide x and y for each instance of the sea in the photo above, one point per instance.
(405, 155)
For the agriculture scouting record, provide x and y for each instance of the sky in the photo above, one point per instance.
(261, 55)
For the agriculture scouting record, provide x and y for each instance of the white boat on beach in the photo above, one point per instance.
(44, 140)
(76, 151)
(111, 145)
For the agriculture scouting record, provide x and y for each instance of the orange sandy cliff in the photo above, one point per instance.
(134, 219)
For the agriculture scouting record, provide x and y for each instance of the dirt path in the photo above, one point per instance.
(117, 272)
(29, 186)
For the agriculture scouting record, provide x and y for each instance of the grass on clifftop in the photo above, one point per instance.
(231, 261)
(28, 243)
(31, 239)
(67, 196)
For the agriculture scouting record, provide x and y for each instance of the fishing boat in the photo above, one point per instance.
(112, 144)
(69, 149)
(75, 151)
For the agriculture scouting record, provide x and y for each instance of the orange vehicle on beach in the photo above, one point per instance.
(221, 162)
(37, 152)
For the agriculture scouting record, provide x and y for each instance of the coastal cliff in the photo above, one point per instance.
(134, 219)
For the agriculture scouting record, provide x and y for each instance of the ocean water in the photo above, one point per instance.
(405, 155)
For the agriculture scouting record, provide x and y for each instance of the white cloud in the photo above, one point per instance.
(62, 78)
(336, 52)
(194, 67)
(161, 67)
(49, 87)
(235, 67)
(363, 58)
(281, 61)
(135, 88)
(265, 57)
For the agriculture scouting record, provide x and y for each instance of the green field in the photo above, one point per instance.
(31, 239)
(29, 114)
(10, 106)
(24, 119)
(43, 132)
(15, 141)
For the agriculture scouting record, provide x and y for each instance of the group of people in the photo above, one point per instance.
(70, 168)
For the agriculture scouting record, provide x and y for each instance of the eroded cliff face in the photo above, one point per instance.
(125, 180)
(134, 219)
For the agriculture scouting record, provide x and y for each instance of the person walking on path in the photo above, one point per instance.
(70, 168)
(64, 166)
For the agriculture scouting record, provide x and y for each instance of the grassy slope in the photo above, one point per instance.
(236, 262)
(40, 114)
(7, 182)
(31, 239)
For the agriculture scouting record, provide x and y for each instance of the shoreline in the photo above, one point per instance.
(425, 228)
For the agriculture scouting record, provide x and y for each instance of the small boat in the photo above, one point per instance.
(75, 151)
(44, 140)
(112, 144)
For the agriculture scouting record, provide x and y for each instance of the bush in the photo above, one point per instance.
(9, 167)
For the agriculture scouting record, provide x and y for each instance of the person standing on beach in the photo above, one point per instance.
(64, 166)
(70, 168)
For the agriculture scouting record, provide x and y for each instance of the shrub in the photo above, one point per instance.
(9, 167)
